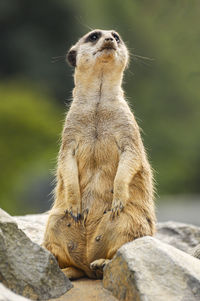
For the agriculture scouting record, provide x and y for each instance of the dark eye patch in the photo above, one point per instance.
(116, 37)
(93, 37)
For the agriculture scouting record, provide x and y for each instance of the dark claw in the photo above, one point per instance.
(76, 218)
(116, 210)
(85, 212)
(93, 267)
(71, 214)
(84, 215)
(121, 207)
(79, 216)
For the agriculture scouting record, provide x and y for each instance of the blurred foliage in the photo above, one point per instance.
(32, 32)
(162, 90)
(29, 127)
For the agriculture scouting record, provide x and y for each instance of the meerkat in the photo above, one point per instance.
(104, 195)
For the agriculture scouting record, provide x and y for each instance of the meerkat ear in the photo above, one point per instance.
(71, 57)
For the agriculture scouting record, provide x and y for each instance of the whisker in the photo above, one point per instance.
(143, 57)
(78, 19)
(56, 59)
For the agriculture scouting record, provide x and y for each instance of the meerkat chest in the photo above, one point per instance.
(96, 127)
(93, 130)
(95, 123)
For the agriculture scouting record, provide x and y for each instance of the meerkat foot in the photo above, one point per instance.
(117, 207)
(97, 267)
(73, 273)
(99, 264)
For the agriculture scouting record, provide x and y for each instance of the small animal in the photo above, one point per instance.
(104, 195)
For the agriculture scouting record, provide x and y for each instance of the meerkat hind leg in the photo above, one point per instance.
(73, 273)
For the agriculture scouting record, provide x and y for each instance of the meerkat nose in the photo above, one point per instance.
(109, 39)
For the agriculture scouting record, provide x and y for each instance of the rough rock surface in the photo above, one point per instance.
(182, 236)
(149, 270)
(25, 267)
(33, 226)
(8, 295)
(87, 290)
(196, 252)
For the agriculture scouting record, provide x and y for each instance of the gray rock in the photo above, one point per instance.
(182, 236)
(33, 225)
(7, 295)
(25, 267)
(149, 270)
(196, 252)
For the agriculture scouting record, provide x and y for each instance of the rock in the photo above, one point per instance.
(7, 295)
(33, 225)
(25, 267)
(182, 236)
(150, 270)
(87, 290)
(196, 252)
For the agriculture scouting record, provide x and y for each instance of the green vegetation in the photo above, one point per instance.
(163, 90)
(30, 124)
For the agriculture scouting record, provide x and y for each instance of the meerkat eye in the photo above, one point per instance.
(116, 37)
(94, 36)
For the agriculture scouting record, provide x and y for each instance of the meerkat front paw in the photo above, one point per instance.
(117, 207)
(75, 213)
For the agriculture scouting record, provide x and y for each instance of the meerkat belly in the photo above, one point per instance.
(97, 159)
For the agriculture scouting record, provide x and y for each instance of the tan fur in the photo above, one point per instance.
(103, 172)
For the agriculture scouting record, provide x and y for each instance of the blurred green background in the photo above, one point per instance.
(163, 90)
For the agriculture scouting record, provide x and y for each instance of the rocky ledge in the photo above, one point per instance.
(25, 267)
(147, 269)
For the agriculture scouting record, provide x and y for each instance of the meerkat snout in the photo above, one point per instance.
(109, 39)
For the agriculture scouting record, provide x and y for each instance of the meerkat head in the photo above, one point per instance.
(103, 48)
